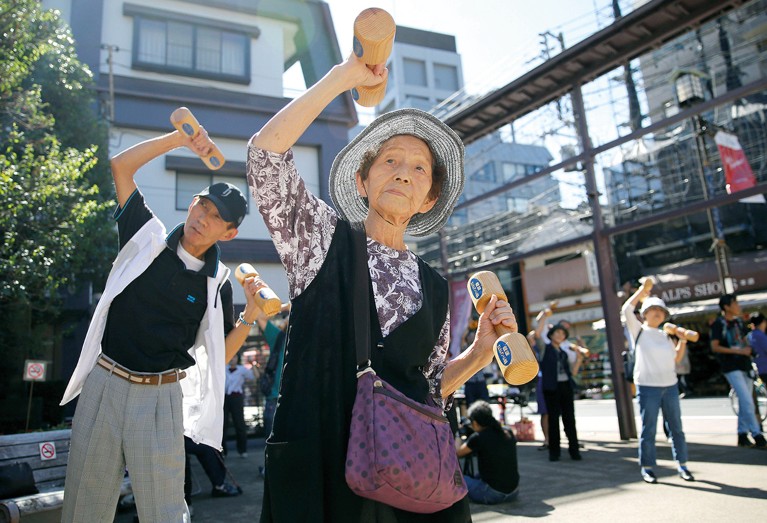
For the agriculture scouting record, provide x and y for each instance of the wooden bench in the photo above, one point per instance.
(49, 474)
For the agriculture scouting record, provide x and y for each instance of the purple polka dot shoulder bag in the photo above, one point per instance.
(400, 452)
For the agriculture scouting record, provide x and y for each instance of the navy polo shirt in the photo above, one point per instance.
(153, 322)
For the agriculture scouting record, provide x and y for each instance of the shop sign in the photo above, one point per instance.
(702, 290)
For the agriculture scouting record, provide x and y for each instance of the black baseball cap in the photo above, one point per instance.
(229, 200)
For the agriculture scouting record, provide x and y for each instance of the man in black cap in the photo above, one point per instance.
(165, 322)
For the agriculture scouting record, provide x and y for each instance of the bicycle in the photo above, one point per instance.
(760, 396)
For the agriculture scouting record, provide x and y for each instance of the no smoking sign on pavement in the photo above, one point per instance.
(34, 370)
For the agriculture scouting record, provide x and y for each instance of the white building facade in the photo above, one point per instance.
(224, 60)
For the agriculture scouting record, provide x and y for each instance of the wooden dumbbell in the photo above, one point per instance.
(647, 283)
(512, 352)
(548, 311)
(680, 332)
(183, 120)
(266, 298)
(374, 31)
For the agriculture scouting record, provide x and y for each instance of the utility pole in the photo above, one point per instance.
(688, 86)
(635, 113)
(733, 74)
(607, 277)
(547, 55)
(719, 244)
(111, 49)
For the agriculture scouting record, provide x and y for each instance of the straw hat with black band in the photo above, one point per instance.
(444, 144)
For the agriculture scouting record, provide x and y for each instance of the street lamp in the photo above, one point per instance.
(688, 86)
(689, 89)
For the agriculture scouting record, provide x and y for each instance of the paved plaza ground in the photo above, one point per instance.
(604, 487)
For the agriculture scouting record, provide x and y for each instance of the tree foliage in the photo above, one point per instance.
(54, 183)
(55, 190)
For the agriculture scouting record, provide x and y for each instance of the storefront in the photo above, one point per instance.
(691, 292)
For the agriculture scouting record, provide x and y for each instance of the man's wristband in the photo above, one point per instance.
(242, 320)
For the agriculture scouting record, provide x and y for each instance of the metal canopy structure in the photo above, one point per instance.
(636, 33)
(644, 29)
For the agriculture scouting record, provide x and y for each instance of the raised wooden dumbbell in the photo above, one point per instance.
(548, 311)
(680, 332)
(512, 352)
(647, 283)
(183, 120)
(266, 298)
(374, 31)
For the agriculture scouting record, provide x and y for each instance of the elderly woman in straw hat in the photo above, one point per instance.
(402, 174)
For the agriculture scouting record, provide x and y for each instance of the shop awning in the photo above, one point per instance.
(710, 305)
(746, 301)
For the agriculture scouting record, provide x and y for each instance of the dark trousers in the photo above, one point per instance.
(474, 391)
(211, 462)
(234, 406)
(559, 403)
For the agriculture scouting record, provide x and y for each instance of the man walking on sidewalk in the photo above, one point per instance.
(728, 341)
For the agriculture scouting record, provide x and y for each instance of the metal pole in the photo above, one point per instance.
(111, 49)
(607, 277)
(719, 245)
(29, 404)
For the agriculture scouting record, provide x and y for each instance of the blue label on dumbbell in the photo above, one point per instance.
(357, 46)
(187, 129)
(503, 352)
(214, 161)
(355, 94)
(475, 286)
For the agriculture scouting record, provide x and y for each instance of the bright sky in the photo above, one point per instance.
(498, 40)
(494, 37)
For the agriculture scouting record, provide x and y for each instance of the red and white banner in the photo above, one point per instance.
(737, 171)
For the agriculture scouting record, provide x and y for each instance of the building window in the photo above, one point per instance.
(517, 204)
(186, 48)
(190, 184)
(485, 174)
(415, 72)
(512, 171)
(389, 107)
(419, 102)
(446, 77)
(515, 171)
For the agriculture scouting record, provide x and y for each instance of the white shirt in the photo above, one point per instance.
(654, 353)
(237, 378)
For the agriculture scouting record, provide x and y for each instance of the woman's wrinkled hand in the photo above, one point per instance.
(358, 73)
(497, 312)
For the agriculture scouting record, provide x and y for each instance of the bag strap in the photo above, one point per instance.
(361, 299)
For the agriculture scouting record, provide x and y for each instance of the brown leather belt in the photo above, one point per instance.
(170, 376)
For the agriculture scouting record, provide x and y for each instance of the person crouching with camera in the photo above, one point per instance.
(496, 451)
